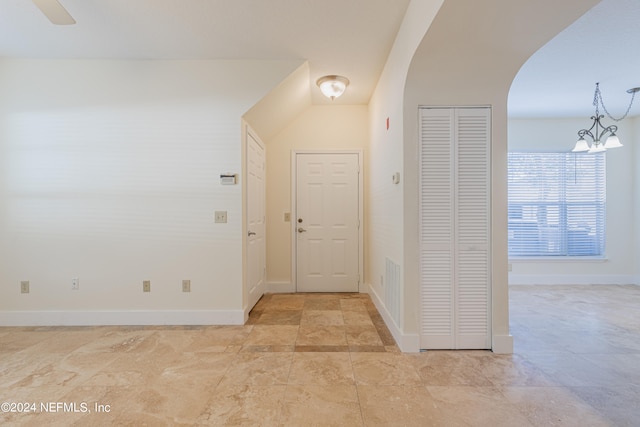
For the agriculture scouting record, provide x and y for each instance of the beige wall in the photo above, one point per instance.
(316, 128)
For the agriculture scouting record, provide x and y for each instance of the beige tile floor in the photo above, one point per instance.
(328, 359)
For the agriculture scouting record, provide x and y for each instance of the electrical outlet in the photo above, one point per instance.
(24, 286)
(220, 217)
(186, 286)
(75, 284)
(146, 286)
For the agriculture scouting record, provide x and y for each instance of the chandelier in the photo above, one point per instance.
(597, 132)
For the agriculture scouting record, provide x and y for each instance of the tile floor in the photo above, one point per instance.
(328, 359)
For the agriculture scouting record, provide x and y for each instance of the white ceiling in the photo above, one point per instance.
(602, 46)
(351, 38)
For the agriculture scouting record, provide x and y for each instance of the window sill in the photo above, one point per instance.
(559, 259)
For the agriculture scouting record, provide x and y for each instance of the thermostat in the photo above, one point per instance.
(228, 179)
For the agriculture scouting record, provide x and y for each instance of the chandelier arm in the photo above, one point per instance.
(583, 132)
(611, 129)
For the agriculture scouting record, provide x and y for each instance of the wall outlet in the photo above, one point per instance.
(75, 284)
(186, 286)
(220, 217)
(146, 286)
(24, 286)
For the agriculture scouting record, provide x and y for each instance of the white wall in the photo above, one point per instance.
(316, 128)
(634, 127)
(110, 173)
(619, 267)
(385, 220)
(468, 57)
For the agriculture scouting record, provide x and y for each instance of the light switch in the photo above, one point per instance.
(221, 217)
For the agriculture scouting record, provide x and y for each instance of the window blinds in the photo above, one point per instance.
(556, 204)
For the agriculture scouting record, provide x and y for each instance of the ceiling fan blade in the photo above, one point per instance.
(56, 13)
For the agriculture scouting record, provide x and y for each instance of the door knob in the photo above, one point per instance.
(301, 230)
(251, 233)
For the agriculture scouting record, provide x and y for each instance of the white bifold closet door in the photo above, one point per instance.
(455, 244)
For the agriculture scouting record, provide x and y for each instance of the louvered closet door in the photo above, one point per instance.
(454, 228)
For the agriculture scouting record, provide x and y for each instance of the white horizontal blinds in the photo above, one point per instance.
(585, 199)
(556, 204)
(436, 228)
(472, 228)
(454, 228)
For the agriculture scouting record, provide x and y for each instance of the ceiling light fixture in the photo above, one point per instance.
(332, 86)
(598, 131)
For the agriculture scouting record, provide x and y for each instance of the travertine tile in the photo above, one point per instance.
(321, 369)
(244, 405)
(387, 405)
(357, 318)
(322, 304)
(259, 369)
(272, 335)
(321, 335)
(283, 317)
(322, 318)
(321, 405)
(360, 335)
(576, 362)
(476, 406)
(553, 406)
(384, 369)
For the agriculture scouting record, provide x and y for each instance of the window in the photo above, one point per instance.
(556, 204)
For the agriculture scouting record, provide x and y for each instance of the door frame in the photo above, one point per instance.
(294, 213)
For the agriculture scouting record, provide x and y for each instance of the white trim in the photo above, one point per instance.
(294, 213)
(572, 279)
(408, 343)
(135, 317)
(502, 344)
(590, 259)
(280, 287)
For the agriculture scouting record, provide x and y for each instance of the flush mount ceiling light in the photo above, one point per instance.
(598, 131)
(332, 86)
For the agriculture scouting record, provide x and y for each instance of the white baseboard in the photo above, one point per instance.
(280, 287)
(502, 344)
(408, 343)
(121, 318)
(572, 279)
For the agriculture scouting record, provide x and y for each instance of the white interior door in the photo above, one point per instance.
(455, 215)
(327, 222)
(256, 245)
